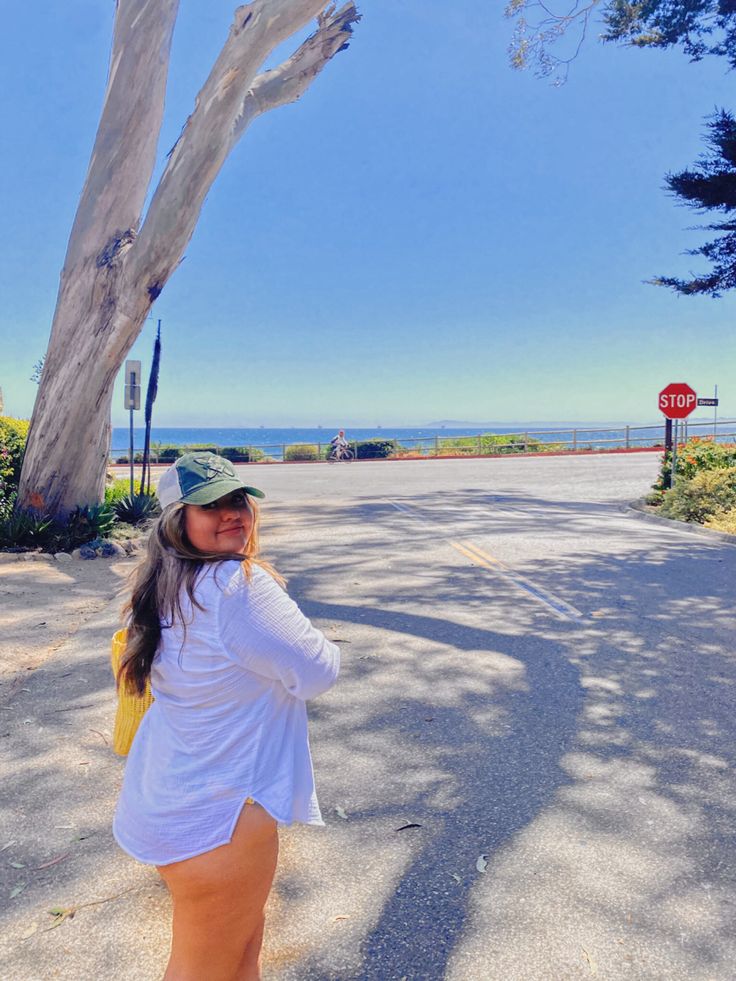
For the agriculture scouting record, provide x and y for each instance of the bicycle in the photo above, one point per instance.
(339, 454)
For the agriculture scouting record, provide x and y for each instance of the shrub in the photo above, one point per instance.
(167, 454)
(26, 529)
(374, 449)
(723, 521)
(137, 509)
(242, 454)
(697, 455)
(700, 454)
(7, 502)
(493, 444)
(120, 488)
(83, 525)
(199, 448)
(13, 435)
(301, 451)
(138, 458)
(703, 496)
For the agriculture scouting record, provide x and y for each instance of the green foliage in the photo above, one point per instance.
(711, 186)
(200, 448)
(374, 449)
(549, 40)
(701, 27)
(138, 458)
(137, 509)
(13, 435)
(301, 451)
(493, 444)
(700, 454)
(242, 454)
(7, 503)
(84, 524)
(703, 496)
(723, 521)
(120, 488)
(26, 529)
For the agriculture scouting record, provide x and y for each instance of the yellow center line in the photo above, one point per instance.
(473, 554)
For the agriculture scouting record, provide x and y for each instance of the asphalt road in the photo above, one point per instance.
(531, 674)
(531, 741)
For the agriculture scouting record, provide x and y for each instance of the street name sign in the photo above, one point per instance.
(132, 395)
(707, 401)
(677, 400)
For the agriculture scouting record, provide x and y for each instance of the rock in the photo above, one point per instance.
(63, 557)
(108, 549)
(85, 552)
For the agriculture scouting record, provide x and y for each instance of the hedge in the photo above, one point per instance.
(13, 435)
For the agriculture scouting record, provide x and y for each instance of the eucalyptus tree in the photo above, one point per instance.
(548, 37)
(118, 260)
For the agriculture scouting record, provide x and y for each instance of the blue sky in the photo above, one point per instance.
(426, 235)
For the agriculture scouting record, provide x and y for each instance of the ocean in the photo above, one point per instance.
(273, 441)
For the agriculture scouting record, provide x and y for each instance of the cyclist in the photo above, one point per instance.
(340, 447)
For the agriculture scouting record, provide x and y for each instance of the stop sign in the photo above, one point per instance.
(677, 400)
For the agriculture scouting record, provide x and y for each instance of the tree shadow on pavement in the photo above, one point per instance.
(620, 728)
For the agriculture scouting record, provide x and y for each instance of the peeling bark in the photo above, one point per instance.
(115, 268)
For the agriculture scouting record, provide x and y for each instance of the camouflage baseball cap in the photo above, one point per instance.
(200, 478)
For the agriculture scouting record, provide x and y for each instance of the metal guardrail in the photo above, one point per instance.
(478, 444)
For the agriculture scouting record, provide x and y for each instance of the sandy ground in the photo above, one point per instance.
(60, 781)
(44, 602)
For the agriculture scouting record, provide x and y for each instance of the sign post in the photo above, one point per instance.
(676, 401)
(132, 401)
(714, 403)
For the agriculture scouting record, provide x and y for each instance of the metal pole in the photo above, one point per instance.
(574, 439)
(628, 441)
(667, 477)
(436, 445)
(132, 481)
(715, 414)
(674, 451)
(526, 442)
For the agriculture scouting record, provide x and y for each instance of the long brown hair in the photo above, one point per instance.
(169, 563)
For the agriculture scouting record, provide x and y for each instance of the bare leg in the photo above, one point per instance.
(219, 899)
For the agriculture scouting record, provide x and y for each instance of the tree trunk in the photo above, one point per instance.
(114, 268)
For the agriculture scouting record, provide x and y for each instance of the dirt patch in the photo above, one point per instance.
(43, 602)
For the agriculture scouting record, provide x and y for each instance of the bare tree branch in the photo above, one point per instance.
(292, 78)
(201, 150)
(534, 40)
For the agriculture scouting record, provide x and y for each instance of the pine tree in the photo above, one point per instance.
(711, 186)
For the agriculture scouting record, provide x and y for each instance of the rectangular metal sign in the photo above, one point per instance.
(132, 396)
(707, 401)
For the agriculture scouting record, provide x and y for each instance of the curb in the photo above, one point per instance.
(639, 510)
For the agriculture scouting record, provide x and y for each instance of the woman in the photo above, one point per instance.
(222, 756)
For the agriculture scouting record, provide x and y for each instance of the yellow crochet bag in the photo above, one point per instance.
(131, 708)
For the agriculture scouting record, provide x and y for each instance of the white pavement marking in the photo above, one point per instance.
(561, 609)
